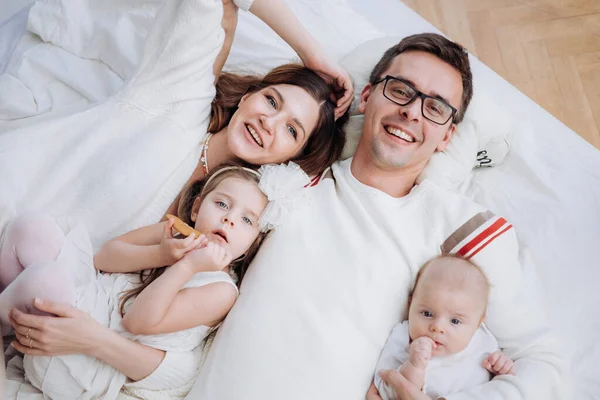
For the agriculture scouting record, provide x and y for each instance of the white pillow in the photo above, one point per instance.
(481, 140)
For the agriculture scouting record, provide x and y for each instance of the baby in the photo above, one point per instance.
(444, 347)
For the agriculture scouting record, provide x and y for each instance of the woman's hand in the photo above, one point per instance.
(71, 332)
(282, 20)
(172, 249)
(230, 17)
(404, 389)
(336, 76)
(229, 25)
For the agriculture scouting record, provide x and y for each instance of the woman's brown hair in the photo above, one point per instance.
(199, 190)
(326, 141)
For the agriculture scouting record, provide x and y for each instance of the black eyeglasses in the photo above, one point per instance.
(402, 93)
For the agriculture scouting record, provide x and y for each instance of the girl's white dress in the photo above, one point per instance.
(79, 376)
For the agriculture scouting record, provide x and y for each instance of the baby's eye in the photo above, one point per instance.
(427, 314)
(247, 221)
(455, 321)
(221, 204)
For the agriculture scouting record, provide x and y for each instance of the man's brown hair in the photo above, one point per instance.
(444, 49)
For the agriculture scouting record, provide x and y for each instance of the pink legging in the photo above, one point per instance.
(28, 266)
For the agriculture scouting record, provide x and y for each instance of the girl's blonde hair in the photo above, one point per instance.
(200, 189)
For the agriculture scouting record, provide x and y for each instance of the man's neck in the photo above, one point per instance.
(396, 182)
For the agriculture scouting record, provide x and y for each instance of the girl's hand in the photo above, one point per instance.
(72, 331)
(212, 257)
(336, 76)
(499, 364)
(172, 249)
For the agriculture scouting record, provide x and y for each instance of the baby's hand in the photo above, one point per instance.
(212, 257)
(499, 364)
(420, 351)
(172, 249)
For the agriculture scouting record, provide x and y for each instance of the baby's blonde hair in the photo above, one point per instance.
(484, 280)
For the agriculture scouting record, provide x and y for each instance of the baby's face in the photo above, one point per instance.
(447, 313)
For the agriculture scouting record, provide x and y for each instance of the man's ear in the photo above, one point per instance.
(447, 137)
(364, 96)
(195, 208)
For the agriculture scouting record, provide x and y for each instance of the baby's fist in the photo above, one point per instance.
(499, 364)
(420, 351)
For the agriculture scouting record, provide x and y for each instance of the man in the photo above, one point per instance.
(342, 267)
(345, 264)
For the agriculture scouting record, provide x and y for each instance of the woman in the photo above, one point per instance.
(120, 164)
(168, 100)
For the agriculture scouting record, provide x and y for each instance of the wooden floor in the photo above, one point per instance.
(548, 49)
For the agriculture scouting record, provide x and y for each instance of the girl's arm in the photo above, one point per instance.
(74, 332)
(152, 246)
(164, 307)
(134, 251)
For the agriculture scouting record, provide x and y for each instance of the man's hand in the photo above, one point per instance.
(499, 364)
(373, 393)
(404, 389)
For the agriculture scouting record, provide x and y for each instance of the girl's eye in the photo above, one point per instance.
(271, 101)
(427, 314)
(247, 221)
(455, 321)
(221, 204)
(292, 131)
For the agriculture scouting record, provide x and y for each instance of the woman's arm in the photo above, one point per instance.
(277, 15)
(163, 306)
(75, 332)
(229, 24)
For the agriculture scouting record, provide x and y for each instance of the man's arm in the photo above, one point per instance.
(517, 318)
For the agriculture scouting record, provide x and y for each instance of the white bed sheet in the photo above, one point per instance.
(548, 186)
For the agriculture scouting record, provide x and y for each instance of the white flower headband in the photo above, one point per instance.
(282, 184)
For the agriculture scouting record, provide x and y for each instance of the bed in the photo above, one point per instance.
(548, 184)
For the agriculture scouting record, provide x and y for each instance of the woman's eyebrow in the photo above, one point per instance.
(282, 102)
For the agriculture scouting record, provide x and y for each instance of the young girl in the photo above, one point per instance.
(444, 347)
(183, 289)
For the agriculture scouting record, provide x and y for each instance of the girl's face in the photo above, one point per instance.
(230, 213)
(273, 124)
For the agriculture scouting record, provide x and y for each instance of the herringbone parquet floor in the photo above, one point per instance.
(548, 49)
